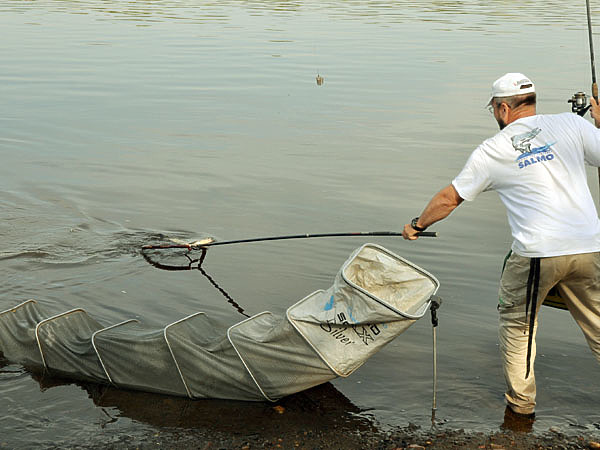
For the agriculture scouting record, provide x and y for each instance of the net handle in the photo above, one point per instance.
(281, 238)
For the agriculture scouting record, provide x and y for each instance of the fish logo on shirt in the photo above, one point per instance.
(529, 156)
(521, 142)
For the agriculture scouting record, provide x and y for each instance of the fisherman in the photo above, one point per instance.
(536, 163)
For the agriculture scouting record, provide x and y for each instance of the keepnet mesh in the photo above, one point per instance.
(375, 297)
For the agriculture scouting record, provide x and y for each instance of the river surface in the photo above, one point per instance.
(124, 121)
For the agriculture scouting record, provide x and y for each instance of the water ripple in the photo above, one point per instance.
(484, 13)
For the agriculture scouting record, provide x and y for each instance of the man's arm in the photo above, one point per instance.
(591, 141)
(438, 208)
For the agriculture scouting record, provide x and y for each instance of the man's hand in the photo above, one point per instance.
(438, 208)
(595, 111)
(409, 233)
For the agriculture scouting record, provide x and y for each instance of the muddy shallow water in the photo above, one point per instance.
(125, 122)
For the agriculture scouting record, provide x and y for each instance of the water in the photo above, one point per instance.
(122, 121)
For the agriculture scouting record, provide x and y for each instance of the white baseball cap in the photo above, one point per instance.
(511, 84)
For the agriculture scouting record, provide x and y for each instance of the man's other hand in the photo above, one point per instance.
(595, 111)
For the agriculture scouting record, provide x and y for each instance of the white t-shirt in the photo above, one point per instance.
(537, 166)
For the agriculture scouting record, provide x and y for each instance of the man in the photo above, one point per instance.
(536, 163)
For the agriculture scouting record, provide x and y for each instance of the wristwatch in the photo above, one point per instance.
(413, 224)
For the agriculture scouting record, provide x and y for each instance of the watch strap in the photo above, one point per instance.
(413, 224)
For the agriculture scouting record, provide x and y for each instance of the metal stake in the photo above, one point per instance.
(435, 304)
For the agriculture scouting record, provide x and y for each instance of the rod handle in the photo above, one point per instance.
(427, 234)
(595, 91)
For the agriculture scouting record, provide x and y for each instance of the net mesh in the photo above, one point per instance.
(65, 343)
(277, 356)
(375, 297)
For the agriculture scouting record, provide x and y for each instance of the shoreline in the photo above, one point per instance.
(319, 418)
(347, 438)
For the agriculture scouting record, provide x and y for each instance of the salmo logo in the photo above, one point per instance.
(536, 155)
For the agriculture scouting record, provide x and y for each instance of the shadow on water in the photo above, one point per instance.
(322, 410)
(517, 423)
(322, 407)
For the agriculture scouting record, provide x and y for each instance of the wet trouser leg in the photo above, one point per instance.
(578, 280)
(520, 393)
(580, 289)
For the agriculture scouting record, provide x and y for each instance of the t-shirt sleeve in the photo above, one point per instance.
(591, 143)
(474, 178)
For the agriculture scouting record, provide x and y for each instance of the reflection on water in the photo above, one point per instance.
(517, 423)
(321, 407)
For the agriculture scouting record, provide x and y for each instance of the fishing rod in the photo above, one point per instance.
(579, 100)
(591, 41)
(593, 64)
(209, 242)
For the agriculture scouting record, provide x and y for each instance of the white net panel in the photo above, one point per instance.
(375, 297)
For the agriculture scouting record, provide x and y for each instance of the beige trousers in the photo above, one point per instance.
(577, 278)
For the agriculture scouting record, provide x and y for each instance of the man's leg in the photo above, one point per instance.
(514, 336)
(514, 327)
(580, 289)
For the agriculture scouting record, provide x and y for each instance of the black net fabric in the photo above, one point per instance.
(17, 333)
(65, 344)
(137, 357)
(209, 363)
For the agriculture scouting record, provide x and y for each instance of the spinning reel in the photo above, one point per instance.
(579, 103)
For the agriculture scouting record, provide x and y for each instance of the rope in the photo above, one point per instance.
(191, 266)
(230, 299)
